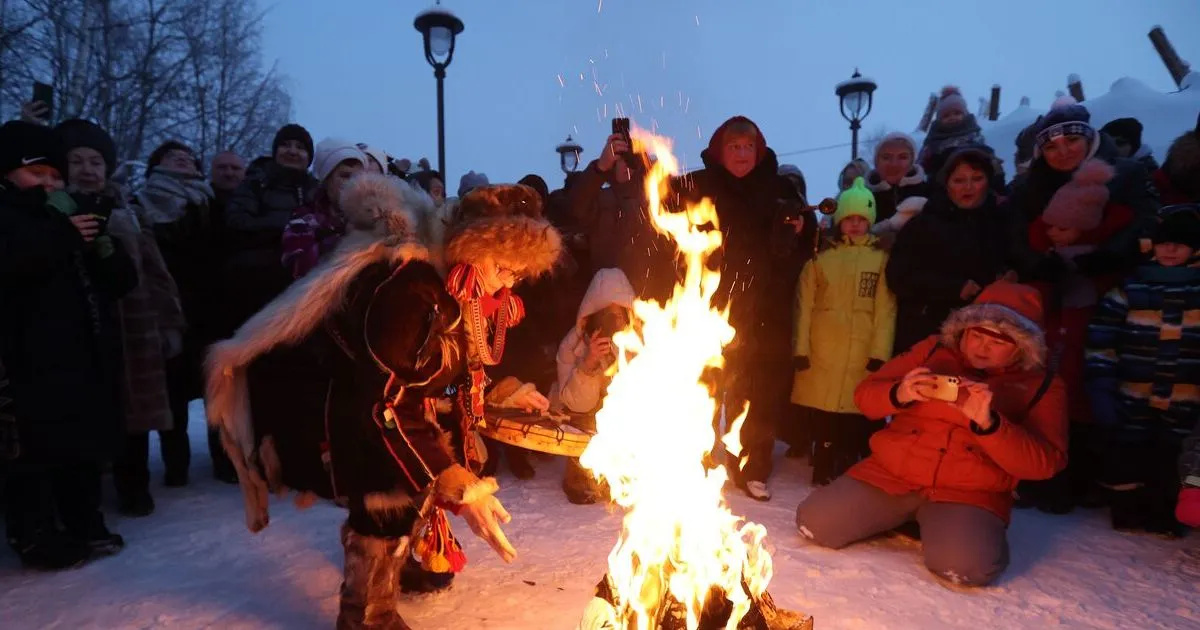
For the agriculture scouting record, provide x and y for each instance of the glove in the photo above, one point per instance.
(1100, 263)
(873, 365)
(800, 363)
(1188, 509)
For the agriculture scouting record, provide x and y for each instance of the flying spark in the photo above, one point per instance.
(599, 6)
(640, 110)
(561, 83)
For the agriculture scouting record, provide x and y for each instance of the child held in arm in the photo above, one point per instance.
(1141, 351)
(1076, 222)
(845, 327)
(584, 359)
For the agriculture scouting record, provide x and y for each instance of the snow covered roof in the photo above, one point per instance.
(1164, 116)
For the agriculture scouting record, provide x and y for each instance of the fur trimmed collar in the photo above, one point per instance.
(1030, 338)
(915, 176)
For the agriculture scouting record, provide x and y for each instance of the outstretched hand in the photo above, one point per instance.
(484, 516)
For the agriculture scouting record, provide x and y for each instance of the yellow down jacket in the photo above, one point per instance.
(845, 317)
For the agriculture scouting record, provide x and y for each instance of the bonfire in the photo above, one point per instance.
(683, 559)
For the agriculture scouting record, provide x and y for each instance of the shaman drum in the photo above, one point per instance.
(535, 432)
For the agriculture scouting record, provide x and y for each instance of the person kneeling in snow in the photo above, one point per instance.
(952, 466)
(346, 374)
(584, 358)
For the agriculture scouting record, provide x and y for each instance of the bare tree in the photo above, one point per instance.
(147, 70)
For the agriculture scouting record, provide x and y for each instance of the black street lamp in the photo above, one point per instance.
(439, 28)
(568, 155)
(855, 97)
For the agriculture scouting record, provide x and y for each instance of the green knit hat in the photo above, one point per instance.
(856, 200)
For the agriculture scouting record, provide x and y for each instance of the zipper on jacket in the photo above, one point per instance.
(945, 451)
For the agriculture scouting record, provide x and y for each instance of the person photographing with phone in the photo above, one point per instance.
(60, 273)
(608, 199)
(974, 411)
(584, 359)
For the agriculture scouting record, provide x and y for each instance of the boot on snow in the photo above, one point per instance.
(370, 583)
(416, 580)
(50, 550)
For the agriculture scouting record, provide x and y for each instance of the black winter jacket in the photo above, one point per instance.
(60, 346)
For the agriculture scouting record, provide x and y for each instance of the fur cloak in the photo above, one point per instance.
(380, 215)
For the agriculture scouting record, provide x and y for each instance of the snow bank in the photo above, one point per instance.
(193, 565)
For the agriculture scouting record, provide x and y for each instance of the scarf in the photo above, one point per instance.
(167, 195)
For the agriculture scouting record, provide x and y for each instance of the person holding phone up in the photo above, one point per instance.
(952, 466)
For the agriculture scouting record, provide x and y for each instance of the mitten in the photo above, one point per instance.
(1188, 509)
(800, 363)
(874, 364)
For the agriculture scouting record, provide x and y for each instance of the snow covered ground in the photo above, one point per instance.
(193, 565)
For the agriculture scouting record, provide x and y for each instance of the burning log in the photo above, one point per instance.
(672, 615)
(683, 559)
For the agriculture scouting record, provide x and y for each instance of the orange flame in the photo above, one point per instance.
(655, 429)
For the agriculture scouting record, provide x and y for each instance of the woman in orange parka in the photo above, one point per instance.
(952, 466)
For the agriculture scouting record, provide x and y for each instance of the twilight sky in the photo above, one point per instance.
(514, 90)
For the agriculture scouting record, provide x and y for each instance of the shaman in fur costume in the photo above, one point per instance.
(335, 388)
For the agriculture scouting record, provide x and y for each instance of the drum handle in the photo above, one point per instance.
(559, 435)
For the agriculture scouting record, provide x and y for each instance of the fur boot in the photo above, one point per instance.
(370, 583)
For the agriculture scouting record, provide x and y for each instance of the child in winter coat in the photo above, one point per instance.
(1078, 219)
(953, 128)
(584, 357)
(844, 329)
(1145, 388)
(315, 229)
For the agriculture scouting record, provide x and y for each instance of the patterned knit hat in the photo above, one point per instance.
(1065, 118)
(858, 201)
(1079, 204)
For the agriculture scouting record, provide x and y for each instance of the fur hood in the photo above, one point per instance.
(381, 227)
(1012, 309)
(504, 223)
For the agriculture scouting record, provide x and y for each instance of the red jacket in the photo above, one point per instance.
(931, 448)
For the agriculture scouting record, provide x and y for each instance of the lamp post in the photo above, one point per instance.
(568, 155)
(855, 98)
(439, 28)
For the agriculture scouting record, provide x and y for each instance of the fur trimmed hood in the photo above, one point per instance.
(1014, 310)
(381, 228)
(505, 223)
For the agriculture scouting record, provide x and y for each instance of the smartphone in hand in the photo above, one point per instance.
(44, 93)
